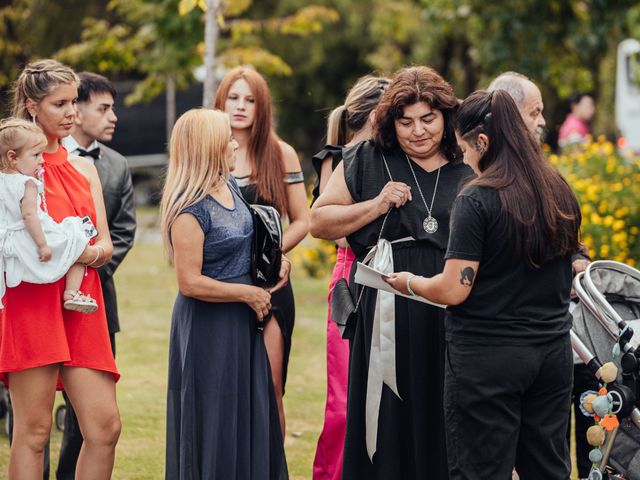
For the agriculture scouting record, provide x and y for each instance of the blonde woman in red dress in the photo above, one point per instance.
(42, 345)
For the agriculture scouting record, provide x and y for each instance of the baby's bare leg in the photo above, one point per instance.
(73, 279)
(73, 299)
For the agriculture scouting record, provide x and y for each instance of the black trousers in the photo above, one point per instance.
(508, 406)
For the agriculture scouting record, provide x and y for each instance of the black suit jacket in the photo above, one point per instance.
(117, 190)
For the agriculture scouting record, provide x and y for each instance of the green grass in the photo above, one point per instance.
(146, 290)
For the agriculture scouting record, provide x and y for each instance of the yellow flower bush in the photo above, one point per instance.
(607, 185)
(314, 257)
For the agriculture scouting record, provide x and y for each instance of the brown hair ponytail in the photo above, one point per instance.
(542, 215)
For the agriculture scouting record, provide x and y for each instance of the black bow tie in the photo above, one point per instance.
(94, 153)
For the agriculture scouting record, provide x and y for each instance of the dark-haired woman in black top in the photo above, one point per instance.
(408, 174)
(507, 279)
(268, 173)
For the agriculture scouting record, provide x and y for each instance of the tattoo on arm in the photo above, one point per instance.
(466, 276)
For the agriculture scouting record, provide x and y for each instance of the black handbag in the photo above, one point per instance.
(266, 248)
(266, 252)
(343, 311)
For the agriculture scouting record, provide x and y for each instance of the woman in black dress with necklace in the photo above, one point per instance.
(412, 169)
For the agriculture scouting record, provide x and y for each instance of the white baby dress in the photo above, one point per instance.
(19, 253)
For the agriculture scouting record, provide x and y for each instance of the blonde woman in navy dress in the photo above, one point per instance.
(222, 418)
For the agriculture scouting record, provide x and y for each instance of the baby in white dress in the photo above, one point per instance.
(33, 247)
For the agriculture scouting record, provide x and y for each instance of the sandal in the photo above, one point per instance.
(80, 302)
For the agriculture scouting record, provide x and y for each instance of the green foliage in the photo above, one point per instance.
(164, 38)
(243, 41)
(306, 21)
(315, 258)
(562, 45)
(186, 6)
(261, 59)
(312, 54)
(141, 37)
(11, 17)
(105, 48)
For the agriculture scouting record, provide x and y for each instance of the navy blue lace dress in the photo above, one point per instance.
(222, 419)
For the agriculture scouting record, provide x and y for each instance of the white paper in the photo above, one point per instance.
(373, 278)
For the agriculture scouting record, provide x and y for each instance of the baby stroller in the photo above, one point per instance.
(604, 320)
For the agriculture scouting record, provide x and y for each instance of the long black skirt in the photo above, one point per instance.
(284, 308)
(411, 431)
(222, 419)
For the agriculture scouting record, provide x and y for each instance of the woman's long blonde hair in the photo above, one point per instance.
(197, 164)
(347, 119)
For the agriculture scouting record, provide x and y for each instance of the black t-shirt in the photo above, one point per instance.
(509, 302)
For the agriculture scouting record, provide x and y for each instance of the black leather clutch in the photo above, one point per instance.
(343, 309)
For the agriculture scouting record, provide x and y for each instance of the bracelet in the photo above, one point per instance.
(97, 255)
(409, 289)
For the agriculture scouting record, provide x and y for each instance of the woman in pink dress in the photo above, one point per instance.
(348, 125)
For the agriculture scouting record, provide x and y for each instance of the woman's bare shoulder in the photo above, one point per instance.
(84, 166)
(289, 157)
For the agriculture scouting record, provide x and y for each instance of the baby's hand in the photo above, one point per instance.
(44, 253)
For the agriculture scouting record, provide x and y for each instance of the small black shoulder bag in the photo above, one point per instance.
(266, 249)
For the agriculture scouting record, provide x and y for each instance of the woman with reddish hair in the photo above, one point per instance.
(268, 172)
(390, 197)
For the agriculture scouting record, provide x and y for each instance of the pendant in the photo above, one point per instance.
(430, 224)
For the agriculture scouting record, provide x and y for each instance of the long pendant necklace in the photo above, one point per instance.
(429, 224)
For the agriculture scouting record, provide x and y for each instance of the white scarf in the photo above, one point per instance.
(382, 358)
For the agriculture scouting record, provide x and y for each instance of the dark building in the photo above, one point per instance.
(141, 136)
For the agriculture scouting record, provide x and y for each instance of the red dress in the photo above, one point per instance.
(35, 330)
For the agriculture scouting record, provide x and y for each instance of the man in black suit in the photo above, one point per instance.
(95, 123)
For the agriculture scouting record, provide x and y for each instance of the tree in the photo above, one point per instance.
(32, 29)
(244, 46)
(163, 41)
(564, 46)
(142, 37)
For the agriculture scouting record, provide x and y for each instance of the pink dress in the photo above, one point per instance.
(327, 464)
